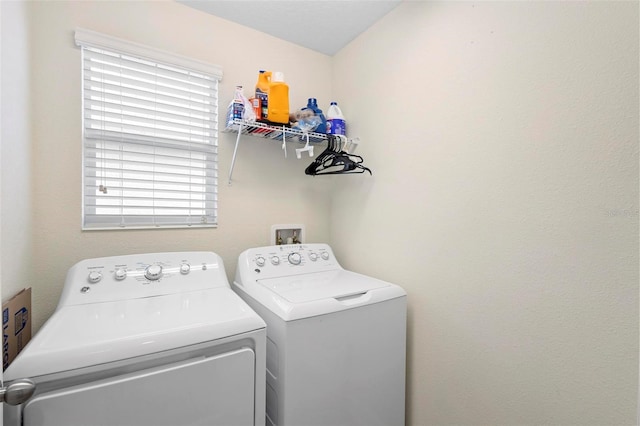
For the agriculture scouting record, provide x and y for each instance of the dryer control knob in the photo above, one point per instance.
(153, 272)
(120, 274)
(313, 257)
(260, 261)
(325, 255)
(295, 258)
(185, 268)
(275, 260)
(94, 277)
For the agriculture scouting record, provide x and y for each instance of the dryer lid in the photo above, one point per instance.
(81, 336)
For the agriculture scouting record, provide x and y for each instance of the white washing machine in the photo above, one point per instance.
(336, 339)
(145, 340)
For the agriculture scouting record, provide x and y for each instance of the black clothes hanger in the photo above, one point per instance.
(334, 160)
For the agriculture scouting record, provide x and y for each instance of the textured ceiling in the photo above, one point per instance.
(325, 26)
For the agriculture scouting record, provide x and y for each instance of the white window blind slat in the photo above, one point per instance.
(143, 107)
(110, 150)
(135, 196)
(98, 82)
(151, 126)
(181, 206)
(139, 168)
(182, 183)
(116, 136)
(115, 63)
(150, 140)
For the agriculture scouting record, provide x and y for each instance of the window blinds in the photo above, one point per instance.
(150, 137)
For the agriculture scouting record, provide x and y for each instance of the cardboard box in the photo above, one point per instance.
(16, 326)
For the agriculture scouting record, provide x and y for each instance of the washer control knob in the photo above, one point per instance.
(120, 274)
(275, 260)
(325, 255)
(295, 258)
(185, 268)
(153, 272)
(94, 277)
(313, 256)
(260, 261)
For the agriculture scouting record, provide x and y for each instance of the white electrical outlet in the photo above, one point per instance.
(287, 234)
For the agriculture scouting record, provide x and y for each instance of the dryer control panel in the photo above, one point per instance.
(283, 260)
(145, 275)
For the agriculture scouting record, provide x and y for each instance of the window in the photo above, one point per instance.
(150, 136)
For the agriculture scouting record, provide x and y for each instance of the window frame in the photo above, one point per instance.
(93, 40)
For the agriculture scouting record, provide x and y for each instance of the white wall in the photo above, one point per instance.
(15, 155)
(267, 189)
(503, 138)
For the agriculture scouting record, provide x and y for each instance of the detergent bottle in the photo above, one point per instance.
(312, 104)
(273, 94)
(262, 92)
(278, 110)
(335, 120)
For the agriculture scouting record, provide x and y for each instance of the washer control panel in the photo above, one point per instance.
(289, 259)
(145, 275)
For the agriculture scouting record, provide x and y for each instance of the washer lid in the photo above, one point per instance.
(87, 335)
(334, 284)
(305, 295)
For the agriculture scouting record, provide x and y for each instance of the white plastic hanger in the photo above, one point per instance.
(307, 147)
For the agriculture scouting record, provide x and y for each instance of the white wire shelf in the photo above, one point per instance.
(267, 131)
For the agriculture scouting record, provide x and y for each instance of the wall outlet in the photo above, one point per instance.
(287, 234)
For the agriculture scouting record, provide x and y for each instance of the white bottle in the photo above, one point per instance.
(335, 120)
(239, 109)
(235, 110)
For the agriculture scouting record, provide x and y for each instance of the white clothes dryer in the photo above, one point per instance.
(145, 340)
(336, 339)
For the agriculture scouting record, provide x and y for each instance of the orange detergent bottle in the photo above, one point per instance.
(274, 97)
(262, 92)
(279, 99)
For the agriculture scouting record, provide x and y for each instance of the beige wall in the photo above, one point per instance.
(503, 137)
(267, 189)
(15, 150)
(504, 143)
